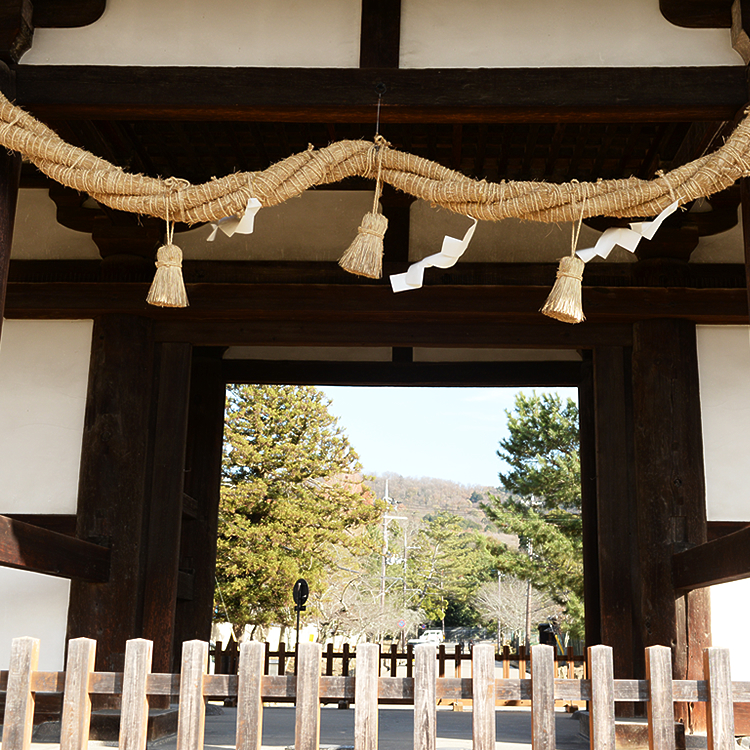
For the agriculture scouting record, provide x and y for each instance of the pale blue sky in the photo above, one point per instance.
(448, 433)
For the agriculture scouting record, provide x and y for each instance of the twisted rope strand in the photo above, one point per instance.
(225, 196)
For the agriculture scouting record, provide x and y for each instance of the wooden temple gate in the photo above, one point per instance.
(140, 549)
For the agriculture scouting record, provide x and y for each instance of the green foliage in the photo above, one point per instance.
(447, 567)
(543, 509)
(290, 500)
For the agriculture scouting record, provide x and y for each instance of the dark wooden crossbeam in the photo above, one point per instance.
(720, 561)
(481, 95)
(459, 374)
(27, 547)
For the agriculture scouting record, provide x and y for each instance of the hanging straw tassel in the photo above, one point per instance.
(564, 301)
(168, 288)
(364, 256)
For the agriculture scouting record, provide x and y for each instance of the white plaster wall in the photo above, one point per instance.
(37, 606)
(541, 33)
(44, 368)
(730, 612)
(724, 368)
(273, 33)
(38, 236)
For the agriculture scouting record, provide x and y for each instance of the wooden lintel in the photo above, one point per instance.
(39, 550)
(720, 561)
(413, 95)
(366, 303)
(464, 374)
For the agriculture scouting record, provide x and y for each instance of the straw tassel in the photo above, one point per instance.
(564, 301)
(364, 256)
(168, 288)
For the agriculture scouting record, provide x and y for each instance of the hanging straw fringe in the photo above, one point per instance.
(364, 256)
(168, 287)
(564, 302)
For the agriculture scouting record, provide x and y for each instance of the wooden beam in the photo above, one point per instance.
(380, 35)
(10, 175)
(352, 302)
(205, 435)
(112, 481)
(38, 550)
(424, 374)
(62, 523)
(413, 95)
(165, 512)
(720, 561)
(670, 487)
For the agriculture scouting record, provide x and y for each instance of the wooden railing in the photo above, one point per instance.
(393, 661)
(193, 686)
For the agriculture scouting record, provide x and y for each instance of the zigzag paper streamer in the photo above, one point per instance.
(449, 254)
(236, 224)
(624, 237)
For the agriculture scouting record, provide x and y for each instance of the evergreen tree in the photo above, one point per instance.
(290, 496)
(544, 506)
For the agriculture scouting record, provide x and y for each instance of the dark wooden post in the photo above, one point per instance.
(202, 478)
(165, 501)
(615, 509)
(10, 175)
(112, 483)
(670, 487)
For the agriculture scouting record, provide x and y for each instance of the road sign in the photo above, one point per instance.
(402, 623)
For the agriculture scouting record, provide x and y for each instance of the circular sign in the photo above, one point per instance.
(402, 623)
(300, 592)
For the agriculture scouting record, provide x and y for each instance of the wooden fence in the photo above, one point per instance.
(193, 686)
(226, 660)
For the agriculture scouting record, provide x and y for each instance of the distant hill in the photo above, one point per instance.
(419, 497)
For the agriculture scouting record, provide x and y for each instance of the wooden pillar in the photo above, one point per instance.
(670, 488)
(10, 175)
(587, 428)
(166, 500)
(202, 479)
(112, 483)
(745, 207)
(615, 509)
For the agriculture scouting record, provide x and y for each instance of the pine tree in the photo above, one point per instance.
(544, 506)
(291, 496)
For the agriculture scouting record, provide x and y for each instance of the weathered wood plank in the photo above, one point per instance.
(76, 708)
(483, 688)
(719, 561)
(192, 708)
(10, 175)
(602, 706)
(19, 698)
(366, 697)
(660, 706)
(425, 697)
(720, 724)
(166, 493)
(134, 712)
(344, 95)
(27, 547)
(307, 720)
(542, 697)
(249, 701)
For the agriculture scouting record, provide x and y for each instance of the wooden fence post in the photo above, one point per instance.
(307, 723)
(425, 696)
(76, 708)
(19, 700)
(602, 713)
(366, 697)
(134, 713)
(249, 702)
(483, 692)
(660, 704)
(542, 697)
(720, 709)
(192, 710)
